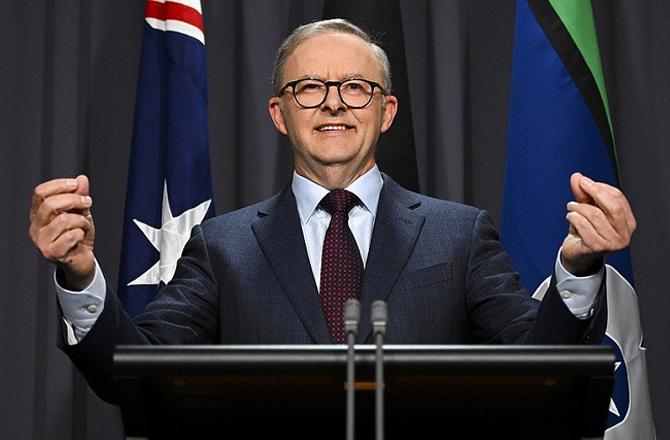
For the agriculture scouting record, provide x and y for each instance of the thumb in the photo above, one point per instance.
(577, 191)
(82, 185)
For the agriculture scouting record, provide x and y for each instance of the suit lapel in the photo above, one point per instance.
(280, 238)
(395, 232)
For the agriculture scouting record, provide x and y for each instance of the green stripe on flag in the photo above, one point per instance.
(577, 16)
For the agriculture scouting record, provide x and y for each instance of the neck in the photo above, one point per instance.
(335, 176)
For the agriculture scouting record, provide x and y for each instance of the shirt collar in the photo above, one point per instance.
(308, 194)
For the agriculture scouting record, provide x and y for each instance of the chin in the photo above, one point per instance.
(333, 155)
(335, 161)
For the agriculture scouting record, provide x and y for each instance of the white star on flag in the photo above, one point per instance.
(613, 409)
(169, 240)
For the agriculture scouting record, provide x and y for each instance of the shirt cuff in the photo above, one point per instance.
(81, 308)
(578, 293)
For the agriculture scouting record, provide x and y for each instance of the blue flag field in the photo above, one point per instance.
(169, 181)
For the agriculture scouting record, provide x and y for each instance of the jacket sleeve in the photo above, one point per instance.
(184, 312)
(502, 311)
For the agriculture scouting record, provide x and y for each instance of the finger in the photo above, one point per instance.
(50, 188)
(60, 249)
(597, 218)
(612, 201)
(83, 188)
(62, 223)
(82, 185)
(56, 204)
(591, 242)
(580, 195)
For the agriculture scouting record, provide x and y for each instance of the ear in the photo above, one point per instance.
(389, 110)
(277, 114)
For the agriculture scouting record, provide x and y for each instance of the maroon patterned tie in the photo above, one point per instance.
(341, 264)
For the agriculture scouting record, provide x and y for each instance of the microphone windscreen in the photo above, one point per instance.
(352, 310)
(379, 312)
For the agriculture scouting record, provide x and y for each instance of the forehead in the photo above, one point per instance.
(332, 56)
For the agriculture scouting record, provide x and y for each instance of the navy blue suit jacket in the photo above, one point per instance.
(245, 278)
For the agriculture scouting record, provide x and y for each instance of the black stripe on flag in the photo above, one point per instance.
(576, 66)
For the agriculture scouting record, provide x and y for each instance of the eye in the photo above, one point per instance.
(309, 87)
(356, 87)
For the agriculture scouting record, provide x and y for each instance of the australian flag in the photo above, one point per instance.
(169, 181)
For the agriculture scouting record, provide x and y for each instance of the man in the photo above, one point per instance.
(274, 273)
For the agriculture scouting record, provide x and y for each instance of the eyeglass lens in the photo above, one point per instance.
(354, 93)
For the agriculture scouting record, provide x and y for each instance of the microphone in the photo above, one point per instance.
(352, 315)
(379, 317)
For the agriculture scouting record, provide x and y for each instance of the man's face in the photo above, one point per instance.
(332, 136)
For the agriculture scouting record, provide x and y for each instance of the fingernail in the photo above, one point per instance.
(86, 200)
(71, 182)
(572, 203)
(586, 181)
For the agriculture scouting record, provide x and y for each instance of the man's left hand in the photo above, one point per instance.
(601, 221)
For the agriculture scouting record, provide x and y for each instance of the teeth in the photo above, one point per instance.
(332, 128)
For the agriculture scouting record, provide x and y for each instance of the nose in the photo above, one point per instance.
(332, 103)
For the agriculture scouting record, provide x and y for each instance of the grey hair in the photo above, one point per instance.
(332, 26)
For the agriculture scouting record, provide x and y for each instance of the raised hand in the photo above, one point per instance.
(61, 227)
(601, 221)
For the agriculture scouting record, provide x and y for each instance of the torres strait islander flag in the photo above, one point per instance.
(169, 182)
(560, 123)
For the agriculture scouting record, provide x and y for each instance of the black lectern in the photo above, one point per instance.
(448, 392)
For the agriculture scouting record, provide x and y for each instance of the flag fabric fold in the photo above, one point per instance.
(169, 181)
(560, 123)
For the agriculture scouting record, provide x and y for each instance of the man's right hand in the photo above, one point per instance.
(61, 227)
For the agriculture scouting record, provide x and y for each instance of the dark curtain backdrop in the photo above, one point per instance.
(68, 75)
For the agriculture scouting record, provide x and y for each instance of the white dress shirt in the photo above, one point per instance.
(315, 220)
(81, 309)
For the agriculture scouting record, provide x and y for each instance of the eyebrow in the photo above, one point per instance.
(344, 77)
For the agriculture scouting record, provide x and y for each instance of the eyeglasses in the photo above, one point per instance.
(312, 92)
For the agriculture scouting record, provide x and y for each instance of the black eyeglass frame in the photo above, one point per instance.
(338, 85)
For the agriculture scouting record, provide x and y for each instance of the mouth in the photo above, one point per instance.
(333, 128)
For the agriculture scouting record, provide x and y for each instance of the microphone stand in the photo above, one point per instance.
(352, 315)
(379, 317)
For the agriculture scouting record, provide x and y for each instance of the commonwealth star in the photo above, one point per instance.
(169, 240)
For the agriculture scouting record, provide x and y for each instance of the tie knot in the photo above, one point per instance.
(339, 200)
